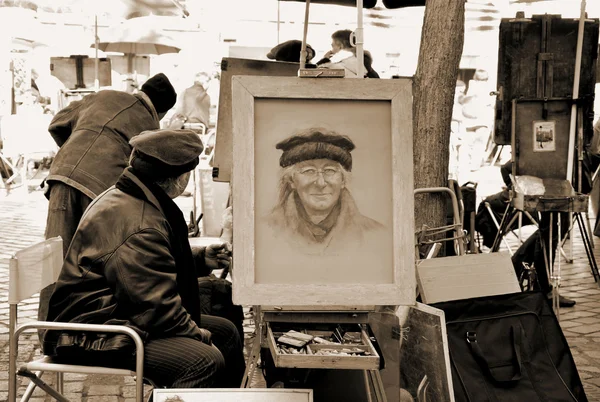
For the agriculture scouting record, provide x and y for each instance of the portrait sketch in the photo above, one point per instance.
(325, 174)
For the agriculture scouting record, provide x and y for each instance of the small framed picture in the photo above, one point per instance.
(323, 192)
(544, 136)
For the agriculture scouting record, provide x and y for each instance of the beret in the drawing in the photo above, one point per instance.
(161, 154)
(316, 143)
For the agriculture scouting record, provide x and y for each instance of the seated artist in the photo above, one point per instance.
(130, 263)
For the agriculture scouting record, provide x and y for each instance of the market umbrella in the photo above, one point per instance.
(138, 36)
(359, 4)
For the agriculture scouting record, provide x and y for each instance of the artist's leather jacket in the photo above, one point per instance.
(120, 270)
(93, 135)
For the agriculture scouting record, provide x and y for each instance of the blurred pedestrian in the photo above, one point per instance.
(193, 105)
(93, 135)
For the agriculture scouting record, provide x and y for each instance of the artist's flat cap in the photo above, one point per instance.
(316, 143)
(160, 154)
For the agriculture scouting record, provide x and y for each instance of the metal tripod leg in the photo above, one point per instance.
(501, 228)
(588, 247)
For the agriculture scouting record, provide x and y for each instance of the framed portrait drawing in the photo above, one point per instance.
(322, 192)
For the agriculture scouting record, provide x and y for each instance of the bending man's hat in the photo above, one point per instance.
(161, 92)
(316, 143)
(161, 154)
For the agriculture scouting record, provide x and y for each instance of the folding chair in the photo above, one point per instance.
(30, 270)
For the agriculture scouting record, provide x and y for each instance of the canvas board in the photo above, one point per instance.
(290, 249)
(233, 395)
(466, 277)
(231, 66)
(541, 138)
(414, 346)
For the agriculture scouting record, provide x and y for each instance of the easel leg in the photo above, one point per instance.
(588, 248)
(570, 255)
(590, 231)
(252, 364)
(555, 278)
(374, 378)
(501, 228)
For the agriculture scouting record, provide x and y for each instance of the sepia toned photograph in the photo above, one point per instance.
(285, 200)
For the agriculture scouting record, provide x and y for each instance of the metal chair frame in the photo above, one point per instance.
(35, 369)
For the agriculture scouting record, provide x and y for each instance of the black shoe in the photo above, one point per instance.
(563, 301)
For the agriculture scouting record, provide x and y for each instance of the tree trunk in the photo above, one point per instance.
(434, 84)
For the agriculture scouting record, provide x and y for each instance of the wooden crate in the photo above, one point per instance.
(548, 203)
(310, 360)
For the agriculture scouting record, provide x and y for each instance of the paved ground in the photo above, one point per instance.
(22, 221)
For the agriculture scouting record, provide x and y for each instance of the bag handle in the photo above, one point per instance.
(516, 335)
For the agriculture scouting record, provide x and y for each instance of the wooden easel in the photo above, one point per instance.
(267, 316)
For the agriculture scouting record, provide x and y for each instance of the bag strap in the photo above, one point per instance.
(516, 335)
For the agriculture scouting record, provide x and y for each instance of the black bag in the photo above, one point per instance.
(509, 348)
(216, 299)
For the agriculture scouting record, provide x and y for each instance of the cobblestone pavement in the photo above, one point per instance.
(22, 222)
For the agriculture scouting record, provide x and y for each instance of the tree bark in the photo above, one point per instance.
(433, 97)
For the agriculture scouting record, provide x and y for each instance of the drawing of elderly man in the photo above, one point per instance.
(316, 212)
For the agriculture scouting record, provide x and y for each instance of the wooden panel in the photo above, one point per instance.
(466, 277)
(522, 44)
(400, 287)
(230, 67)
(65, 69)
(530, 160)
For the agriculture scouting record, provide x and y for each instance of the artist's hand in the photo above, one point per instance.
(329, 54)
(205, 336)
(218, 256)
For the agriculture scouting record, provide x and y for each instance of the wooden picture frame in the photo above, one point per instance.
(233, 395)
(271, 268)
